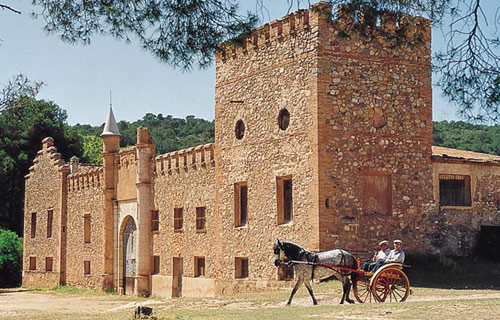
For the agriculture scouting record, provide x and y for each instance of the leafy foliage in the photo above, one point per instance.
(169, 134)
(19, 86)
(178, 32)
(466, 136)
(92, 149)
(22, 127)
(11, 259)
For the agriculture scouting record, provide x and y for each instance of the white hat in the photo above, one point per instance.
(383, 242)
(398, 241)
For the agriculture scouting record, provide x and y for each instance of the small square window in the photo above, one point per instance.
(48, 263)
(199, 266)
(454, 190)
(154, 220)
(86, 267)
(32, 263)
(178, 219)
(241, 268)
(200, 218)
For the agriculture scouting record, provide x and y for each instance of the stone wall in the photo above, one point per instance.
(185, 179)
(44, 192)
(274, 69)
(455, 230)
(85, 197)
(374, 111)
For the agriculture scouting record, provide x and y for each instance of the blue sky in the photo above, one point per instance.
(79, 78)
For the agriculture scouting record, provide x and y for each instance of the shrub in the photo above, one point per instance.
(11, 259)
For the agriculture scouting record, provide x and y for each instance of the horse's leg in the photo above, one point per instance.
(309, 288)
(348, 290)
(295, 288)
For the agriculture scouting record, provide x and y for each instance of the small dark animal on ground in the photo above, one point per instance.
(141, 311)
(308, 265)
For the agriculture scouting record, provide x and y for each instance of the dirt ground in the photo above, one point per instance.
(26, 304)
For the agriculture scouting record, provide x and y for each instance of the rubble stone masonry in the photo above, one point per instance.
(344, 119)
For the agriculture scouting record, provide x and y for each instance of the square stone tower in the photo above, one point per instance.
(338, 111)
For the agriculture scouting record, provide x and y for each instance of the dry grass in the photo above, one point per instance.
(425, 303)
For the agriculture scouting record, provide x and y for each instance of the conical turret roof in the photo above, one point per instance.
(110, 127)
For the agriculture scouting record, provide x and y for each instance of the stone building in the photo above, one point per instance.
(320, 139)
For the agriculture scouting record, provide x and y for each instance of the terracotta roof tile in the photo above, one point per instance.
(463, 154)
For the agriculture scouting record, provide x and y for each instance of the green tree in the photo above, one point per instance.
(92, 149)
(11, 259)
(22, 127)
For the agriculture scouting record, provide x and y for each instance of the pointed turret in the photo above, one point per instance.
(110, 127)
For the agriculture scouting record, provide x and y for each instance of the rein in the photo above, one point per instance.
(326, 265)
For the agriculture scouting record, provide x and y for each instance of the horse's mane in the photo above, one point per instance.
(293, 251)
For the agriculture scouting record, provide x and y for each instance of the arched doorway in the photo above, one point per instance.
(129, 255)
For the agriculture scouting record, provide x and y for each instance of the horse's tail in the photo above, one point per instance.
(354, 275)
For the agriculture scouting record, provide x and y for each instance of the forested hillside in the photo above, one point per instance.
(169, 134)
(466, 136)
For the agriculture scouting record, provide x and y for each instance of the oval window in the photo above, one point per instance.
(239, 130)
(284, 119)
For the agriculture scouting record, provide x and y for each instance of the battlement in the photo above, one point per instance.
(92, 176)
(192, 158)
(127, 157)
(344, 21)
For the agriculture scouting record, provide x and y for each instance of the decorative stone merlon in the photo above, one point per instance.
(47, 143)
(74, 163)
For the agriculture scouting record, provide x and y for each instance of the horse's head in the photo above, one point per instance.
(279, 253)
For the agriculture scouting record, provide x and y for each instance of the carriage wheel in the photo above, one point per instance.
(362, 292)
(391, 284)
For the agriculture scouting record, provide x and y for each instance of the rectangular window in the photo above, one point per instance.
(33, 225)
(284, 197)
(200, 218)
(454, 190)
(86, 267)
(86, 228)
(154, 220)
(199, 266)
(156, 265)
(240, 204)
(285, 273)
(32, 263)
(48, 263)
(178, 219)
(241, 267)
(50, 217)
(377, 193)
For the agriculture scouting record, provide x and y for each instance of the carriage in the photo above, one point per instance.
(388, 283)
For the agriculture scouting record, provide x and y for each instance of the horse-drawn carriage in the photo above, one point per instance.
(387, 283)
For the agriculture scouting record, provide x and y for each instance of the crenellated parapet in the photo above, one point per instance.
(345, 21)
(183, 160)
(86, 179)
(127, 157)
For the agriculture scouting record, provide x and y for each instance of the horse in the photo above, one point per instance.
(307, 267)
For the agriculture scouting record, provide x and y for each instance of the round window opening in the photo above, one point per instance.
(284, 119)
(239, 130)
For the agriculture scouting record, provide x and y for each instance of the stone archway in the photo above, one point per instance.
(129, 255)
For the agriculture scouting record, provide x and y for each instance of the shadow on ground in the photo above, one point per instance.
(452, 272)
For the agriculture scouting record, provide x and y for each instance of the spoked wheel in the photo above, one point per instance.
(391, 284)
(362, 292)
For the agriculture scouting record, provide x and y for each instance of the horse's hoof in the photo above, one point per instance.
(315, 303)
(350, 301)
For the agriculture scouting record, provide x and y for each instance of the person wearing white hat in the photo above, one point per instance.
(397, 255)
(380, 255)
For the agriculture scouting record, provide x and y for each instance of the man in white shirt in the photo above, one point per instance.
(397, 255)
(381, 255)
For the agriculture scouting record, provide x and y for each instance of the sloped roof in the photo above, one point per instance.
(110, 127)
(450, 153)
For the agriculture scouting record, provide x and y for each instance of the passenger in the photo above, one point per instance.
(380, 255)
(397, 255)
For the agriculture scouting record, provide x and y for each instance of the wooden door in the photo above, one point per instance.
(177, 278)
